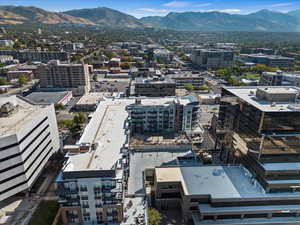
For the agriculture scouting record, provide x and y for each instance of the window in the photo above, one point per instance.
(86, 217)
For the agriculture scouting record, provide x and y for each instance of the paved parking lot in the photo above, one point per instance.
(110, 85)
(139, 161)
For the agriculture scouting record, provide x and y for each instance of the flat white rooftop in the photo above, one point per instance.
(167, 101)
(90, 98)
(218, 182)
(248, 95)
(107, 129)
(24, 113)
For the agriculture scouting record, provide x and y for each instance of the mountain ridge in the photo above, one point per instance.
(263, 20)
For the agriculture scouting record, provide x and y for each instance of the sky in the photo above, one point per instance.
(140, 8)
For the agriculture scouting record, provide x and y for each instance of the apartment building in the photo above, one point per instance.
(212, 58)
(151, 87)
(28, 138)
(40, 56)
(90, 185)
(74, 77)
(169, 114)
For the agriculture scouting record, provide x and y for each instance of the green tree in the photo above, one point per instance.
(125, 65)
(204, 87)
(3, 81)
(59, 107)
(154, 217)
(189, 87)
(95, 78)
(79, 118)
(23, 80)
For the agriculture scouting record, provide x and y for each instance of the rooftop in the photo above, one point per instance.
(106, 128)
(46, 97)
(90, 98)
(24, 113)
(248, 95)
(261, 55)
(140, 161)
(167, 101)
(218, 182)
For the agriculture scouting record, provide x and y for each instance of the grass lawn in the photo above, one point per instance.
(45, 213)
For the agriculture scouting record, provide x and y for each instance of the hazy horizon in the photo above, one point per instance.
(162, 7)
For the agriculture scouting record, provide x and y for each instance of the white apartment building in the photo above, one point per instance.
(28, 138)
(169, 114)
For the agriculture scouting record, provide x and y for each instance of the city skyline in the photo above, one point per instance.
(163, 7)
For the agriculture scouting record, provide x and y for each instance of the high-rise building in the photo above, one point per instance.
(73, 77)
(90, 185)
(28, 138)
(213, 58)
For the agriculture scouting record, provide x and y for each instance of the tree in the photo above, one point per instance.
(204, 87)
(95, 78)
(59, 107)
(3, 81)
(189, 87)
(154, 217)
(79, 118)
(23, 80)
(125, 65)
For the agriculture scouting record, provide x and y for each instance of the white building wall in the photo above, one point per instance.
(30, 152)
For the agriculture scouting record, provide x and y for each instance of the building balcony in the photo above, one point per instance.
(71, 191)
(98, 206)
(84, 198)
(83, 189)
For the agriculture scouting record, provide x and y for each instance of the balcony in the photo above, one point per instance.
(72, 191)
(97, 189)
(85, 206)
(83, 189)
(98, 206)
(84, 198)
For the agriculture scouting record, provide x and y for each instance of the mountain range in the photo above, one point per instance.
(263, 20)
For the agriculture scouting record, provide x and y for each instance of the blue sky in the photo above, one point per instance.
(140, 8)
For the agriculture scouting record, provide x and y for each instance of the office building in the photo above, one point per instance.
(259, 121)
(163, 55)
(39, 56)
(269, 60)
(212, 58)
(169, 114)
(28, 138)
(152, 87)
(74, 77)
(280, 78)
(7, 43)
(187, 78)
(257, 129)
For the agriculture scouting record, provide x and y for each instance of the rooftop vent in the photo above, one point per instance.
(7, 109)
